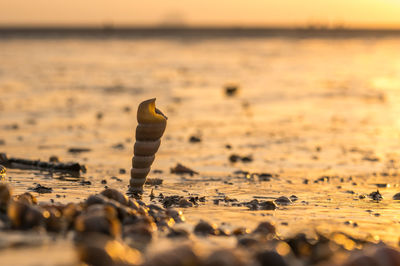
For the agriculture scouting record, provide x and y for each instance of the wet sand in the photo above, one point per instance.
(305, 109)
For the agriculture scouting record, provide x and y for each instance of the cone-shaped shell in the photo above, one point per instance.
(150, 131)
(151, 126)
(146, 148)
(142, 161)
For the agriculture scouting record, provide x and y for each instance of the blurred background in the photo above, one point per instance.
(350, 13)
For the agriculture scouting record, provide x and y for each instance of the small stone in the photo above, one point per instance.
(78, 150)
(265, 228)
(154, 181)
(204, 228)
(231, 90)
(99, 115)
(5, 196)
(283, 201)
(376, 195)
(41, 189)
(293, 198)
(178, 233)
(396, 196)
(269, 257)
(122, 171)
(234, 158)
(181, 169)
(267, 205)
(118, 146)
(194, 139)
(225, 257)
(54, 159)
(184, 203)
(3, 172)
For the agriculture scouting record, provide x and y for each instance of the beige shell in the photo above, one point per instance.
(151, 126)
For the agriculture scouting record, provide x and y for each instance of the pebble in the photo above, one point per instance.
(194, 139)
(265, 228)
(122, 171)
(205, 228)
(184, 203)
(180, 255)
(376, 195)
(54, 159)
(181, 169)
(78, 150)
(267, 205)
(225, 257)
(5, 196)
(396, 196)
(41, 189)
(3, 171)
(178, 233)
(270, 257)
(283, 201)
(231, 90)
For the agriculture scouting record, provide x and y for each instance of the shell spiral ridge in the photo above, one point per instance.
(151, 126)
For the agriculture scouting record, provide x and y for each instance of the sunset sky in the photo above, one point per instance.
(351, 13)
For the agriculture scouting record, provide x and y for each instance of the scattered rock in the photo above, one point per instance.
(118, 146)
(205, 228)
(154, 181)
(293, 198)
(194, 139)
(181, 169)
(376, 195)
(396, 196)
(184, 203)
(245, 159)
(79, 150)
(3, 171)
(265, 228)
(270, 257)
(266, 205)
(283, 201)
(255, 205)
(264, 177)
(41, 189)
(54, 159)
(99, 115)
(178, 233)
(231, 90)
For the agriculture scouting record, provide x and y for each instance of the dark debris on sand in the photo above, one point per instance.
(41, 165)
(180, 169)
(111, 229)
(236, 158)
(41, 189)
(78, 150)
(154, 181)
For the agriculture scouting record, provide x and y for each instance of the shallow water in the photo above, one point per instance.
(305, 109)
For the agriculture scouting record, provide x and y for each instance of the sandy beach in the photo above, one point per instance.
(315, 121)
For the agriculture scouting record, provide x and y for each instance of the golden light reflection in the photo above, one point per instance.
(283, 248)
(369, 13)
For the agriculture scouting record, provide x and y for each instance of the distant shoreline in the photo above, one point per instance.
(193, 32)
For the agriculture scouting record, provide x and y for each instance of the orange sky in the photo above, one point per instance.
(370, 13)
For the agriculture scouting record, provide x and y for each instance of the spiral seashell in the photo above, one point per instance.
(151, 126)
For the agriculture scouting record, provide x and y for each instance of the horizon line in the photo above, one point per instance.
(184, 31)
(198, 26)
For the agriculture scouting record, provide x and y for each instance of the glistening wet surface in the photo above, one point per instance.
(320, 115)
